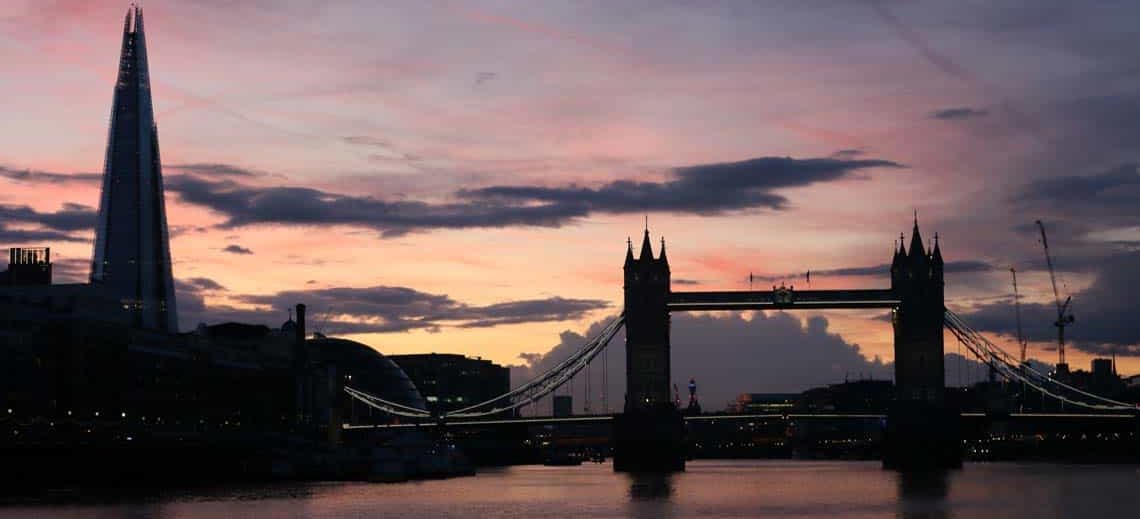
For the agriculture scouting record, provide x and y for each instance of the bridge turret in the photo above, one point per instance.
(917, 281)
(919, 263)
(936, 263)
(898, 265)
(923, 430)
(647, 329)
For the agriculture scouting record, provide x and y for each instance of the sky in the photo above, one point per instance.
(463, 176)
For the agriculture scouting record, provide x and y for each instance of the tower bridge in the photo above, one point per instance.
(651, 424)
(922, 430)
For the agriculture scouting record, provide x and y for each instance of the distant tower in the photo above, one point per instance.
(132, 247)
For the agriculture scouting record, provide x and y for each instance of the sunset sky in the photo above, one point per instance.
(463, 176)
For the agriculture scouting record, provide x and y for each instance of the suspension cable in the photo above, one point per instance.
(547, 382)
(1004, 364)
(385, 405)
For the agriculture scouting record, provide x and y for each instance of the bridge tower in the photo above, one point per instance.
(922, 430)
(647, 328)
(649, 434)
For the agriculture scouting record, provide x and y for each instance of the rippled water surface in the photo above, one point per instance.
(708, 489)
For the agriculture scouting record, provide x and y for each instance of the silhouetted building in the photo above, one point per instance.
(859, 396)
(132, 246)
(448, 382)
(27, 267)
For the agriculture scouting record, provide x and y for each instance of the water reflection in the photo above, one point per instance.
(923, 494)
(650, 486)
(649, 495)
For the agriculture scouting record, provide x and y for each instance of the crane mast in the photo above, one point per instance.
(1063, 318)
(1017, 312)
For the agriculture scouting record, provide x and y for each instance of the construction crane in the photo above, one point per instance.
(1064, 317)
(1021, 342)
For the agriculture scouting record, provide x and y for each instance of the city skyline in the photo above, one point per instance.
(445, 215)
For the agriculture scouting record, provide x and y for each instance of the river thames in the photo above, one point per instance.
(713, 489)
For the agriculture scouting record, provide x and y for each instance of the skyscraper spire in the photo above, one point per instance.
(131, 260)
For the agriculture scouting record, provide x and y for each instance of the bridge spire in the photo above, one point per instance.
(916, 240)
(936, 255)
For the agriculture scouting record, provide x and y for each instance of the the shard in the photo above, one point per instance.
(132, 247)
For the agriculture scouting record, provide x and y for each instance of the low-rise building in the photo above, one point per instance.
(448, 381)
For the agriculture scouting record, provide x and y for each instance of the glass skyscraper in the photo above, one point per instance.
(132, 247)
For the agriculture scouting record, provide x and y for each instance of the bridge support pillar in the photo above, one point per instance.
(649, 441)
(922, 436)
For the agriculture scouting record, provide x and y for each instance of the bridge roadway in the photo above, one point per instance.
(781, 298)
(544, 420)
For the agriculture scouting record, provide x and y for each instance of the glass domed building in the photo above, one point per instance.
(367, 370)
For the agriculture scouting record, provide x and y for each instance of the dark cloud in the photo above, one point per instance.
(17, 237)
(703, 189)
(528, 311)
(249, 205)
(882, 270)
(192, 309)
(1075, 208)
(48, 227)
(214, 170)
(46, 177)
(202, 284)
(1105, 322)
(236, 249)
(396, 309)
(72, 217)
(952, 114)
(682, 281)
(1115, 189)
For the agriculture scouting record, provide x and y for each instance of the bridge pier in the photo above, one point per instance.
(922, 436)
(649, 440)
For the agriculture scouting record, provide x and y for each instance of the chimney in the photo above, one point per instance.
(301, 325)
